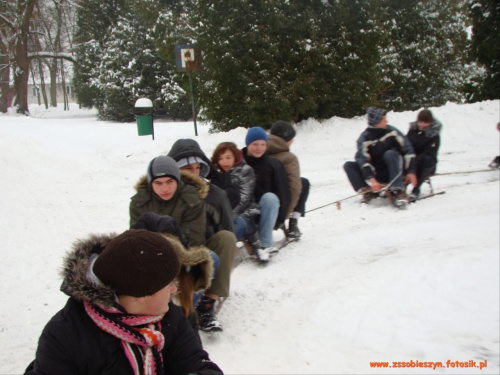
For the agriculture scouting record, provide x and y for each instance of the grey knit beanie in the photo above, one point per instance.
(137, 263)
(163, 166)
(374, 115)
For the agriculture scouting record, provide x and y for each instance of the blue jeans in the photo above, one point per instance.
(394, 165)
(269, 205)
(197, 296)
(240, 227)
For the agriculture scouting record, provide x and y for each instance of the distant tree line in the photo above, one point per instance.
(277, 59)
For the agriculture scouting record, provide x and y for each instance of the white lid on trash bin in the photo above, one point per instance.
(143, 103)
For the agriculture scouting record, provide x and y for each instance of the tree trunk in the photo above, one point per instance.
(53, 82)
(63, 84)
(21, 75)
(6, 93)
(22, 62)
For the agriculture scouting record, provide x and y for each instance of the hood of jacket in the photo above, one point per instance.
(77, 262)
(186, 148)
(182, 148)
(276, 144)
(186, 178)
(431, 131)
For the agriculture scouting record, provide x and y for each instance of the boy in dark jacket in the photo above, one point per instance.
(384, 156)
(220, 238)
(424, 137)
(271, 191)
(119, 318)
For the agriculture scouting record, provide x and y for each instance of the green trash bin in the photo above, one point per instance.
(144, 124)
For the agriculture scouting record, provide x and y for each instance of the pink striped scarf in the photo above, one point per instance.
(142, 345)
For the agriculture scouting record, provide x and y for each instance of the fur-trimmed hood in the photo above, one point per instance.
(186, 177)
(78, 285)
(76, 264)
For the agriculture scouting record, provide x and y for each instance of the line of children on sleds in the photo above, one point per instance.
(185, 219)
(238, 194)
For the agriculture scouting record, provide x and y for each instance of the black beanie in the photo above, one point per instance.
(137, 263)
(283, 130)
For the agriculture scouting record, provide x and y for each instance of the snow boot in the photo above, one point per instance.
(495, 163)
(206, 316)
(368, 194)
(293, 231)
(399, 198)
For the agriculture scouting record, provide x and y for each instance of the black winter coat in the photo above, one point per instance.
(71, 343)
(374, 142)
(270, 176)
(425, 141)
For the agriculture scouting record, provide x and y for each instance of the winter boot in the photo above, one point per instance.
(368, 194)
(293, 231)
(495, 163)
(399, 198)
(206, 317)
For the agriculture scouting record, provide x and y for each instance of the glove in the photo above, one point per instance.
(160, 224)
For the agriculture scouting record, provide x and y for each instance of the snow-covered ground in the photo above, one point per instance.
(365, 283)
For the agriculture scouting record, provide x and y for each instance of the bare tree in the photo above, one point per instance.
(16, 16)
(18, 21)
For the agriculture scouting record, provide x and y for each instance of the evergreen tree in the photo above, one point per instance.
(172, 28)
(424, 63)
(130, 68)
(120, 62)
(347, 49)
(240, 74)
(486, 47)
(272, 59)
(94, 18)
(275, 59)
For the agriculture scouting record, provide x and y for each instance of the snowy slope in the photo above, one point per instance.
(365, 284)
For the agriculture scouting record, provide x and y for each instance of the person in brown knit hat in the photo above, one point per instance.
(137, 263)
(119, 318)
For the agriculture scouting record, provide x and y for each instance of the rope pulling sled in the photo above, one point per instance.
(338, 202)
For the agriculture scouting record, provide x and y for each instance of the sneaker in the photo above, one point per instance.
(271, 250)
(412, 198)
(206, 317)
(263, 255)
(399, 197)
(368, 194)
(257, 248)
(293, 231)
